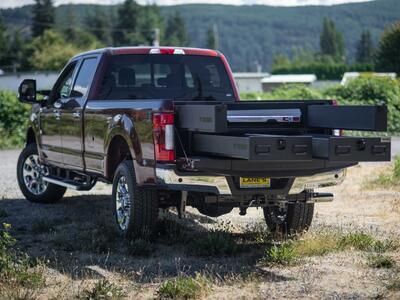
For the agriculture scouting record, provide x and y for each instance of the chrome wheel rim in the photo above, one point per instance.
(123, 203)
(32, 173)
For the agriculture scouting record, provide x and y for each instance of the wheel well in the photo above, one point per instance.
(118, 151)
(30, 136)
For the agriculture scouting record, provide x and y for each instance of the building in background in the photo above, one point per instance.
(274, 81)
(249, 82)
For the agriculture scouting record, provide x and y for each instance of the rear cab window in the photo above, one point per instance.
(178, 77)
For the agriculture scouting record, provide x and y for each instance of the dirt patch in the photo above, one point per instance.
(76, 240)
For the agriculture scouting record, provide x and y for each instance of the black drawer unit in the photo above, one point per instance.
(255, 147)
(343, 148)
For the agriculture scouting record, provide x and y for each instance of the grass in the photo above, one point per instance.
(394, 284)
(388, 179)
(102, 238)
(3, 213)
(140, 247)
(20, 275)
(43, 226)
(103, 290)
(185, 287)
(380, 261)
(321, 243)
(216, 242)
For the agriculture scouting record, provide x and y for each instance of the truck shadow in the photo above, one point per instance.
(77, 238)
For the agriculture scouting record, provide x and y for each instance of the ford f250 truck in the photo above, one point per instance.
(166, 127)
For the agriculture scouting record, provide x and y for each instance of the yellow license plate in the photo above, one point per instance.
(255, 183)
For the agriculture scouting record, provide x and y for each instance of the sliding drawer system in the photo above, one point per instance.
(255, 147)
(342, 148)
(222, 117)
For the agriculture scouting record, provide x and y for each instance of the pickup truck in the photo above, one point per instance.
(166, 127)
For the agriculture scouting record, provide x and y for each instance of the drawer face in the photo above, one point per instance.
(342, 148)
(255, 147)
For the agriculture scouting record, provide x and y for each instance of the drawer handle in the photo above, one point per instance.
(342, 150)
(379, 149)
(300, 149)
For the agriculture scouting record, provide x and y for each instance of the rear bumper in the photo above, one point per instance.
(220, 185)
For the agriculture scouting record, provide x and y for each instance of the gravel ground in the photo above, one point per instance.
(73, 264)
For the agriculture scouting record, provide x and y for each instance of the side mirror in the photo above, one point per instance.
(27, 91)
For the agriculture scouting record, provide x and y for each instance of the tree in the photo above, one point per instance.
(331, 40)
(3, 43)
(126, 32)
(43, 16)
(175, 33)
(50, 51)
(212, 38)
(387, 56)
(365, 48)
(150, 24)
(98, 24)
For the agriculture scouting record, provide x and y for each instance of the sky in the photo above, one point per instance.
(15, 3)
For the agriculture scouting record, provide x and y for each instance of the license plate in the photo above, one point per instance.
(255, 183)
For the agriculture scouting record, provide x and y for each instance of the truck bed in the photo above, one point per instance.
(277, 138)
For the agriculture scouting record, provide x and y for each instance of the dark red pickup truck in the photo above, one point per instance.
(166, 127)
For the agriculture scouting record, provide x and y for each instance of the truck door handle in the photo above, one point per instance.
(76, 115)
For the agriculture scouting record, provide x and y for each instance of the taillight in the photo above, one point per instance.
(336, 132)
(163, 135)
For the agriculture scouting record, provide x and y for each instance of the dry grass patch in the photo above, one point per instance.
(321, 243)
(380, 261)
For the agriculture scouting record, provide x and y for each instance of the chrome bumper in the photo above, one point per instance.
(221, 186)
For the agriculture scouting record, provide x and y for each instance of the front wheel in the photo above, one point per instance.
(135, 208)
(291, 219)
(30, 178)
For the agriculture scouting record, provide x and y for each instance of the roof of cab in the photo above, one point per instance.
(147, 49)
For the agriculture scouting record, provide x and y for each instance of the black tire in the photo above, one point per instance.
(213, 210)
(295, 218)
(51, 194)
(143, 204)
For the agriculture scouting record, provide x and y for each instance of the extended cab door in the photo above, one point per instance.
(71, 125)
(51, 114)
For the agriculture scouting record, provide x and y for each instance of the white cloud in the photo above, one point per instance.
(14, 3)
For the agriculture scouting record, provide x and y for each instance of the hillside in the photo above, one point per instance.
(250, 34)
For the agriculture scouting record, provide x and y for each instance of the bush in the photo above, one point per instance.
(184, 287)
(285, 92)
(13, 120)
(103, 290)
(371, 90)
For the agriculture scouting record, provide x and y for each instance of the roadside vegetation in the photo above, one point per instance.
(311, 244)
(387, 179)
(20, 275)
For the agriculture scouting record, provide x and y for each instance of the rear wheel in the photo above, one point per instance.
(291, 219)
(135, 208)
(30, 175)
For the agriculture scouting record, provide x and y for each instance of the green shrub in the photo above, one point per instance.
(214, 243)
(13, 120)
(282, 254)
(184, 287)
(371, 90)
(285, 92)
(103, 290)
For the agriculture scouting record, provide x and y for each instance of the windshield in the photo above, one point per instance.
(178, 77)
